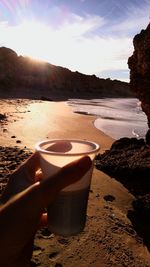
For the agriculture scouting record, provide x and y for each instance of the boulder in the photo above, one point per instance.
(128, 161)
(139, 64)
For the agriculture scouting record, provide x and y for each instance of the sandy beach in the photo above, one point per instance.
(109, 238)
(33, 121)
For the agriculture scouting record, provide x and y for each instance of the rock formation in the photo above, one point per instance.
(24, 77)
(139, 64)
(128, 161)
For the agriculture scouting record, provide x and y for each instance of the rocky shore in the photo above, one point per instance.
(128, 161)
(114, 233)
(12, 157)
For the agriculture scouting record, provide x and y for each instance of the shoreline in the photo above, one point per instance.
(109, 238)
(115, 117)
(33, 121)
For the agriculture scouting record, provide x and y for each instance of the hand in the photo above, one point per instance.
(21, 214)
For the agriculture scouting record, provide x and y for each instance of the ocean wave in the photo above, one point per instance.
(116, 117)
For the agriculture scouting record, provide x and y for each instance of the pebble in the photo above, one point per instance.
(46, 233)
(10, 159)
(3, 116)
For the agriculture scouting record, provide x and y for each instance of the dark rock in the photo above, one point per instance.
(125, 143)
(140, 218)
(142, 207)
(128, 161)
(3, 117)
(18, 141)
(45, 232)
(13, 136)
(139, 64)
(148, 137)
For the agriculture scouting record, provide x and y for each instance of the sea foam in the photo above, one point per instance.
(116, 117)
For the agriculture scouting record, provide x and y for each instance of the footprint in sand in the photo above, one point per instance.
(53, 255)
(109, 198)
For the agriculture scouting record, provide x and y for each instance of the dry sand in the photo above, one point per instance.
(108, 238)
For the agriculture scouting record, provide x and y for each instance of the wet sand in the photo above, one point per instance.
(37, 120)
(108, 238)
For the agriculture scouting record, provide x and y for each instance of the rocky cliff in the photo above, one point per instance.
(139, 64)
(24, 77)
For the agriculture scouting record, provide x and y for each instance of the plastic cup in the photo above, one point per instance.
(67, 214)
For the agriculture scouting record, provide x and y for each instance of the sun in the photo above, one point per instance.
(33, 39)
(67, 45)
(40, 41)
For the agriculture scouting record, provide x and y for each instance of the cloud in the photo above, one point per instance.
(76, 25)
(80, 48)
(136, 19)
(75, 44)
(89, 43)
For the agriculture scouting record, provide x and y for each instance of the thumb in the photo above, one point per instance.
(67, 175)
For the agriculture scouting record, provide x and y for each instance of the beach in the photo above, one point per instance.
(116, 117)
(109, 238)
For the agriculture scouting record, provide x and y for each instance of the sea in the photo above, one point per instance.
(116, 117)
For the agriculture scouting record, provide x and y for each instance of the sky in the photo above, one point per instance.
(89, 36)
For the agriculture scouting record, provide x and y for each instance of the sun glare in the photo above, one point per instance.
(32, 39)
(66, 45)
(42, 42)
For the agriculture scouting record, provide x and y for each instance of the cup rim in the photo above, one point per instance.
(95, 149)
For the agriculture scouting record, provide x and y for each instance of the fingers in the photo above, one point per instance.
(32, 164)
(41, 194)
(38, 175)
(69, 174)
(28, 205)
